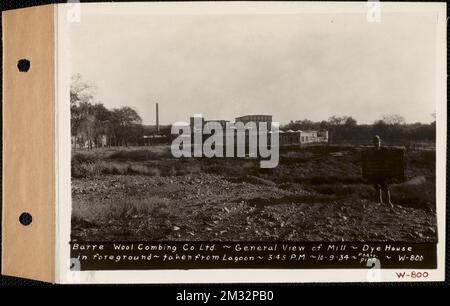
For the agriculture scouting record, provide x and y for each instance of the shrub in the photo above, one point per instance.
(101, 167)
(86, 169)
(86, 212)
(82, 165)
(320, 180)
(360, 191)
(136, 155)
(416, 196)
(422, 158)
(422, 195)
(83, 158)
(143, 170)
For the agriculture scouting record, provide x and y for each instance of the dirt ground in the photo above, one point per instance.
(312, 196)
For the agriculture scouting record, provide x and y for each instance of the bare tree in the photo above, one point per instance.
(81, 98)
(393, 119)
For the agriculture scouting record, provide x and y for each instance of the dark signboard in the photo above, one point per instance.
(385, 164)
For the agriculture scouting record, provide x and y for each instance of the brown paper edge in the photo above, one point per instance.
(29, 144)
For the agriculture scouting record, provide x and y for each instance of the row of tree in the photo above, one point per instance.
(392, 128)
(92, 124)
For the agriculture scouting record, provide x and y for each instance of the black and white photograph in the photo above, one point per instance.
(254, 127)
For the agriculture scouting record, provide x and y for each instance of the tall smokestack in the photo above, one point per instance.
(157, 118)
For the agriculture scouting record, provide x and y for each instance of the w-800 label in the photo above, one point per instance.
(412, 274)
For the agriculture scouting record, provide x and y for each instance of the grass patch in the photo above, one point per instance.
(422, 158)
(97, 168)
(338, 180)
(417, 196)
(421, 196)
(138, 155)
(87, 212)
(339, 190)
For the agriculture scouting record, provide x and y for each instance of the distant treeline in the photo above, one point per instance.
(94, 125)
(391, 128)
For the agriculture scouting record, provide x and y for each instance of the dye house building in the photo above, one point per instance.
(300, 137)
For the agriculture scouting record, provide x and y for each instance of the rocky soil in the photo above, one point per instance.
(205, 206)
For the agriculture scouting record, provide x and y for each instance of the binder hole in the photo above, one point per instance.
(23, 65)
(25, 219)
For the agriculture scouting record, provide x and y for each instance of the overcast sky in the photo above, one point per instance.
(290, 66)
